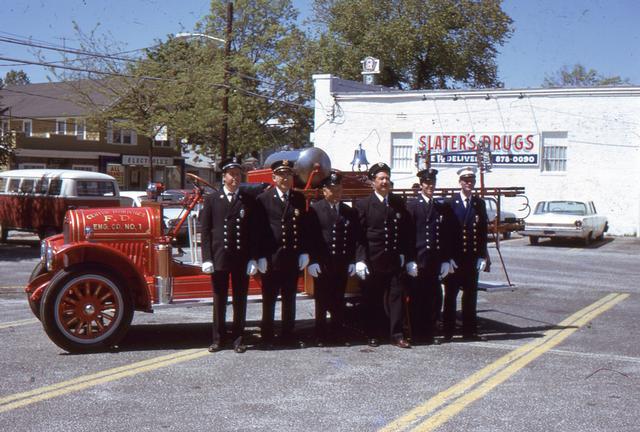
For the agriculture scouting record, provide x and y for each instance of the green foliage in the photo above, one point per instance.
(421, 43)
(16, 77)
(580, 76)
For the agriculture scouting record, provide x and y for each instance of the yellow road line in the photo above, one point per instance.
(19, 400)
(18, 323)
(458, 389)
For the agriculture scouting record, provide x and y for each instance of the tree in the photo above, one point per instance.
(270, 80)
(579, 76)
(421, 43)
(16, 77)
(179, 84)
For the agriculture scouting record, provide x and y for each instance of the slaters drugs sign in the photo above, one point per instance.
(521, 148)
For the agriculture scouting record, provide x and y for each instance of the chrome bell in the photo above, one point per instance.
(359, 158)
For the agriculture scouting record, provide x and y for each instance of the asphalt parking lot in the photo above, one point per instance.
(563, 354)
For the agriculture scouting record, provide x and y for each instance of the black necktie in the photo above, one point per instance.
(335, 209)
(466, 203)
(232, 197)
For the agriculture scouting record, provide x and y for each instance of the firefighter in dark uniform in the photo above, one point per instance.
(227, 222)
(283, 239)
(335, 228)
(432, 225)
(470, 256)
(380, 253)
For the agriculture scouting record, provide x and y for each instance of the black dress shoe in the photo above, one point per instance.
(401, 343)
(238, 346)
(447, 337)
(215, 347)
(373, 342)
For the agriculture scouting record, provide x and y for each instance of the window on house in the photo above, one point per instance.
(81, 129)
(31, 165)
(402, 152)
(61, 126)
(117, 135)
(554, 152)
(26, 127)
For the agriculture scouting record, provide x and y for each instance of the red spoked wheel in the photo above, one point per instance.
(86, 310)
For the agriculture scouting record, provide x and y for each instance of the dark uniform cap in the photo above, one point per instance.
(428, 174)
(334, 179)
(376, 168)
(232, 162)
(282, 165)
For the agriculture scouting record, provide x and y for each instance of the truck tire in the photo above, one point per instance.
(533, 240)
(35, 305)
(86, 309)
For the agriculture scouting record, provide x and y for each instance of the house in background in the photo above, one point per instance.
(49, 130)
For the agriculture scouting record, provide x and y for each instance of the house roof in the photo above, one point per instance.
(55, 99)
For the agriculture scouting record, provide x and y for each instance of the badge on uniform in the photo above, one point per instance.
(296, 212)
(241, 213)
(221, 196)
(398, 215)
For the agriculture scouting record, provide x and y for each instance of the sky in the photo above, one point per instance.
(548, 34)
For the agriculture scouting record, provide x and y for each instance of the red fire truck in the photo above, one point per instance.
(110, 262)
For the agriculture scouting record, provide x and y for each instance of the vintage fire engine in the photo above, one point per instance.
(110, 262)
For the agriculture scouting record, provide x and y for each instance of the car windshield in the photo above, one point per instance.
(565, 207)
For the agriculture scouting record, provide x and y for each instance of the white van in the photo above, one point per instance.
(36, 200)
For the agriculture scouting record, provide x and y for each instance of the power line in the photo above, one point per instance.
(65, 50)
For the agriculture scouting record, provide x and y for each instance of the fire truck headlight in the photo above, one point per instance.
(48, 260)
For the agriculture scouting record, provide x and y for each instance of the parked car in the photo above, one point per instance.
(508, 221)
(565, 219)
(132, 198)
(36, 200)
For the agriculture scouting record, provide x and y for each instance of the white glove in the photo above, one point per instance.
(401, 260)
(207, 267)
(252, 267)
(453, 265)
(303, 260)
(412, 269)
(351, 269)
(314, 270)
(362, 270)
(481, 264)
(445, 268)
(262, 265)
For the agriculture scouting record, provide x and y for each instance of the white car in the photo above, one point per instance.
(565, 219)
(132, 198)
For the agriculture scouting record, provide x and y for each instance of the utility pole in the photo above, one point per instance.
(224, 132)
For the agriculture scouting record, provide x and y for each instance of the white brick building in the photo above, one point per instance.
(577, 143)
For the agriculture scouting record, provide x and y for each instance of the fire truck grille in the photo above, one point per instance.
(136, 251)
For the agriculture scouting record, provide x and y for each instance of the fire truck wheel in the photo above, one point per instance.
(86, 310)
(35, 305)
